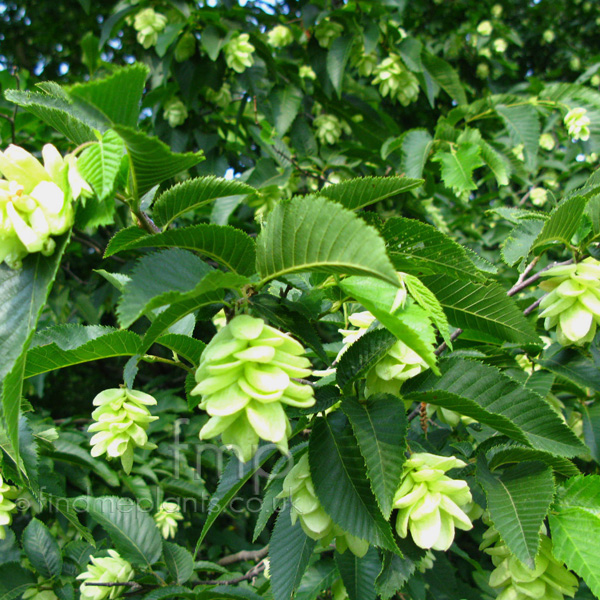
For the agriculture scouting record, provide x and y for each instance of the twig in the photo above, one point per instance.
(244, 555)
(521, 285)
(303, 381)
(145, 222)
(132, 584)
(532, 307)
(443, 345)
(414, 414)
(251, 574)
(294, 162)
(150, 358)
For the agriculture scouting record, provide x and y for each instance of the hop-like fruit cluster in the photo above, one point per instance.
(485, 28)
(315, 522)
(238, 53)
(396, 81)
(7, 493)
(549, 580)
(280, 36)
(327, 31)
(329, 129)
(122, 418)
(166, 518)
(245, 377)
(573, 304)
(398, 365)
(175, 112)
(539, 196)
(220, 97)
(307, 72)
(430, 503)
(109, 569)
(36, 202)
(578, 124)
(148, 24)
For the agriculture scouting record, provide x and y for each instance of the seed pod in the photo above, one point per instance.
(549, 579)
(238, 53)
(395, 80)
(245, 378)
(315, 522)
(148, 23)
(7, 493)
(430, 502)
(166, 519)
(109, 569)
(573, 304)
(122, 418)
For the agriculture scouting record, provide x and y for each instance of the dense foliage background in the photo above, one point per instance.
(285, 160)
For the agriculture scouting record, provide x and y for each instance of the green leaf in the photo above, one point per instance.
(290, 550)
(518, 501)
(445, 76)
(23, 295)
(226, 245)
(379, 425)
(192, 194)
(208, 291)
(100, 163)
(118, 96)
(523, 126)
(188, 347)
(318, 578)
(416, 146)
(591, 429)
(74, 119)
(517, 245)
(313, 234)
(171, 591)
(132, 530)
(66, 345)
(396, 570)
(359, 574)
(158, 279)
(457, 167)
(425, 298)
(179, 562)
(483, 393)
(515, 453)
(421, 249)
(354, 194)
(496, 162)
(152, 161)
(42, 549)
(227, 592)
(234, 477)
(65, 507)
(285, 105)
(562, 225)
(337, 58)
(576, 541)
(581, 492)
(14, 580)
(362, 356)
(411, 324)
(484, 308)
(338, 471)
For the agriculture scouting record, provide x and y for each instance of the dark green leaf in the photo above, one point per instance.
(42, 549)
(179, 562)
(359, 574)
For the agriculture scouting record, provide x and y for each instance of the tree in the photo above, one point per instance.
(311, 290)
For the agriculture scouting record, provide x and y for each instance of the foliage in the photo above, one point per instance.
(312, 233)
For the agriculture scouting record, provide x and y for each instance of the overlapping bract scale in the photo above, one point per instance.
(549, 580)
(245, 376)
(106, 570)
(315, 522)
(7, 493)
(573, 302)
(122, 418)
(430, 504)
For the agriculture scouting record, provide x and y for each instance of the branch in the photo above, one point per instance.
(244, 555)
(251, 574)
(131, 584)
(145, 222)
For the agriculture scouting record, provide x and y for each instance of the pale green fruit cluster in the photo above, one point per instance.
(430, 504)
(329, 129)
(549, 580)
(315, 522)
(307, 72)
(448, 416)
(7, 493)
(148, 24)
(280, 36)
(245, 377)
(365, 64)
(482, 71)
(109, 569)
(577, 124)
(122, 418)
(186, 47)
(175, 112)
(549, 36)
(573, 304)
(396, 81)
(485, 28)
(166, 518)
(238, 53)
(36, 201)
(327, 31)
(399, 364)
(33, 593)
(500, 45)
(538, 196)
(220, 97)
